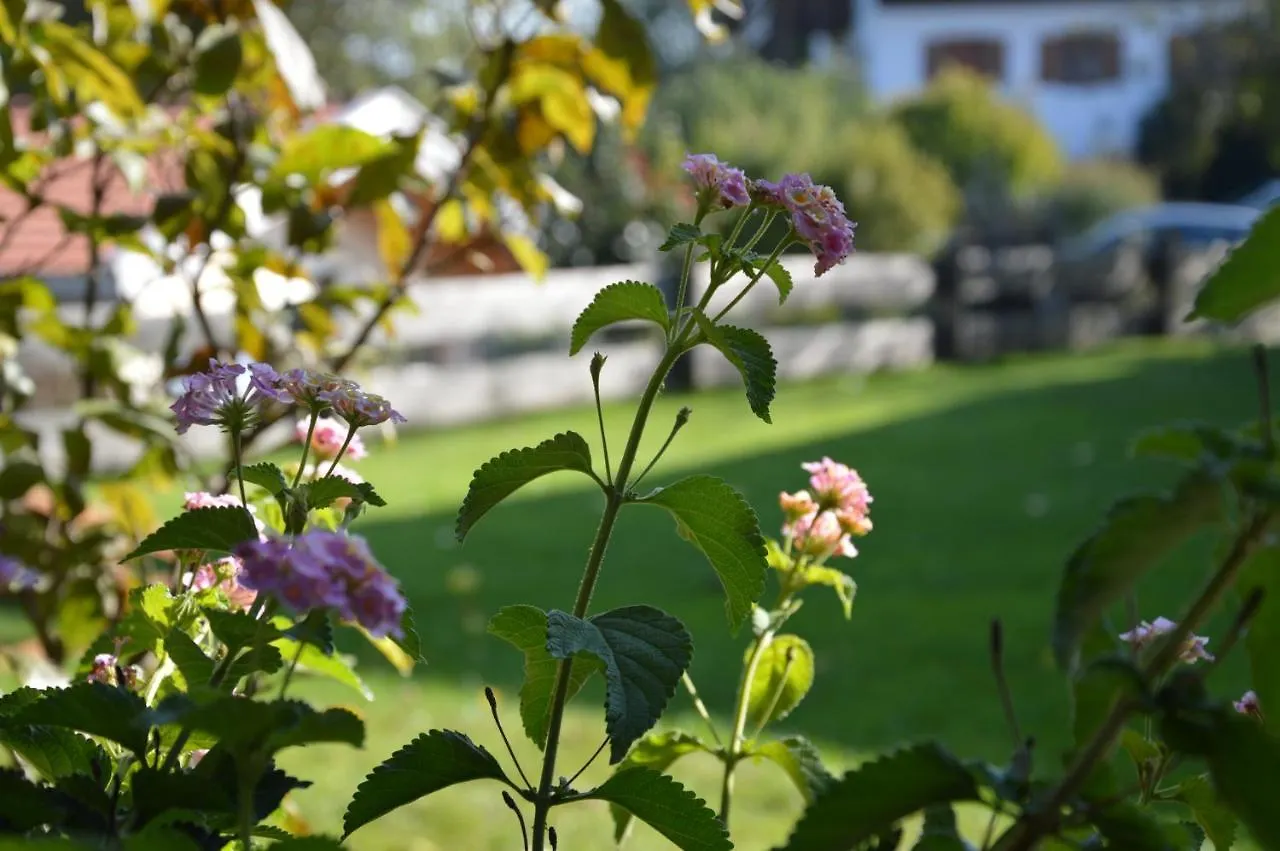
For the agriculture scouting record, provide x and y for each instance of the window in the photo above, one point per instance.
(986, 56)
(1080, 59)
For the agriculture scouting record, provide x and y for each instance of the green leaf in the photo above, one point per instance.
(1135, 535)
(644, 652)
(525, 628)
(91, 73)
(873, 797)
(25, 806)
(380, 177)
(718, 521)
(1189, 443)
(99, 710)
(655, 751)
(784, 675)
(667, 807)
(53, 752)
(246, 726)
(1261, 572)
(1218, 823)
(500, 477)
(751, 355)
(18, 477)
(238, 630)
(212, 529)
(1124, 825)
(940, 832)
(265, 475)
(431, 762)
(325, 492)
(842, 583)
(1247, 279)
(328, 148)
(219, 55)
(333, 667)
(308, 843)
(619, 303)
(195, 667)
(681, 233)
(797, 756)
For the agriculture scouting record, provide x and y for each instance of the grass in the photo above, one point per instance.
(984, 479)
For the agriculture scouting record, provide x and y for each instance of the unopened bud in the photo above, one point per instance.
(597, 364)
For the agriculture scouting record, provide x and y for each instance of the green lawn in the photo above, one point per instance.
(984, 478)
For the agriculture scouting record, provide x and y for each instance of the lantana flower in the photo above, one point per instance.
(1248, 704)
(16, 576)
(223, 575)
(228, 395)
(107, 670)
(817, 217)
(718, 183)
(1147, 632)
(823, 520)
(327, 438)
(819, 534)
(325, 570)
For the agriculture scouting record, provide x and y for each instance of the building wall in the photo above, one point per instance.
(1087, 120)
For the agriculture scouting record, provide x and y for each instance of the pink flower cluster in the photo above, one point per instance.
(823, 520)
(223, 575)
(15, 576)
(325, 570)
(230, 396)
(107, 670)
(327, 438)
(1248, 704)
(817, 216)
(1147, 632)
(717, 182)
(221, 397)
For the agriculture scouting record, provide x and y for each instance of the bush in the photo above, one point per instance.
(902, 199)
(981, 139)
(1091, 191)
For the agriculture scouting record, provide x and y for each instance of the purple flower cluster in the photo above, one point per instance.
(817, 216)
(15, 576)
(230, 395)
(325, 570)
(717, 182)
(221, 396)
(107, 670)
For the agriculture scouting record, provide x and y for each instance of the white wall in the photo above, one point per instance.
(1087, 120)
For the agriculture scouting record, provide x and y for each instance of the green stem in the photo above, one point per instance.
(306, 449)
(700, 707)
(777, 252)
(591, 573)
(734, 752)
(239, 462)
(685, 271)
(351, 435)
(293, 665)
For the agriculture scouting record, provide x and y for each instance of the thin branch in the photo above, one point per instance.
(587, 764)
(92, 282)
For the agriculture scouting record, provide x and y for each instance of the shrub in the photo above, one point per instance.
(960, 121)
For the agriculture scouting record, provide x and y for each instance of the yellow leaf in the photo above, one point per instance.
(560, 49)
(533, 131)
(93, 75)
(527, 254)
(130, 507)
(451, 223)
(622, 64)
(562, 97)
(394, 244)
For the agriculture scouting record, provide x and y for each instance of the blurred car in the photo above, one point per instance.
(1123, 253)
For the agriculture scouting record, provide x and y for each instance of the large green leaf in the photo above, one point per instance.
(644, 652)
(328, 148)
(99, 710)
(1218, 822)
(783, 677)
(718, 521)
(619, 303)
(1135, 535)
(655, 751)
(54, 752)
(431, 762)
(246, 726)
(331, 666)
(219, 54)
(326, 491)
(502, 476)
(1261, 572)
(801, 761)
(525, 628)
(193, 665)
(265, 475)
(1248, 279)
(940, 832)
(871, 799)
(238, 630)
(216, 530)
(751, 355)
(667, 807)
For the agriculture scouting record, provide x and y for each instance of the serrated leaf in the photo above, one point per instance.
(324, 492)
(265, 475)
(775, 271)
(431, 762)
(644, 652)
(329, 666)
(873, 798)
(656, 752)
(842, 583)
(99, 710)
(1134, 536)
(502, 476)
(1248, 279)
(940, 832)
(264, 728)
(718, 521)
(525, 628)
(784, 675)
(238, 630)
(797, 756)
(215, 530)
(52, 751)
(25, 805)
(621, 302)
(1218, 823)
(751, 355)
(681, 233)
(1124, 825)
(1261, 573)
(195, 667)
(667, 807)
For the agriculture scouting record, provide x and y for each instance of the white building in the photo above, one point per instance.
(1089, 69)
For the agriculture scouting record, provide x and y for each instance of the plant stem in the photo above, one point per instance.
(700, 707)
(740, 722)
(773, 258)
(613, 503)
(293, 665)
(239, 462)
(351, 435)
(306, 449)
